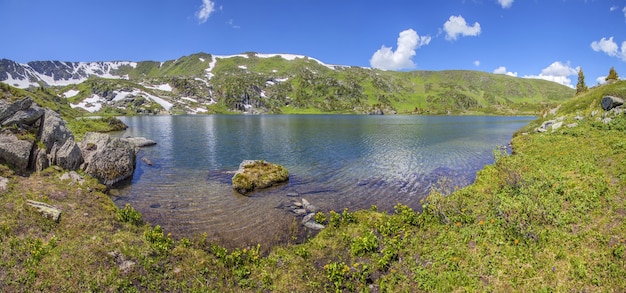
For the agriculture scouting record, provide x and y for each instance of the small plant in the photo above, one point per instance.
(334, 219)
(337, 272)
(348, 217)
(320, 217)
(407, 214)
(158, 240)
(302, 252)
(130, 215)
(363, 245)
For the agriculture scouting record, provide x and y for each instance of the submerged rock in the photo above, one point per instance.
(258, 174)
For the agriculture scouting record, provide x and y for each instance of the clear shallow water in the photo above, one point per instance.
(334, 161)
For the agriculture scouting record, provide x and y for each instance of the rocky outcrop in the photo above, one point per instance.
(106, 158)
(253, 175)
(15, 152)
(33, 138)
(610, 102)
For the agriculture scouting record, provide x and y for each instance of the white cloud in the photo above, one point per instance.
(502, 70)
(607, 46)
(601, 79)
(477, 63)
(205, 10)
(505, 3)
(624, 10)
(613, 8)
(456, 26)
(557, 72)
(408, 40)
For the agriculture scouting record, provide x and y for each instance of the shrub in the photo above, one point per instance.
(130, 215)
(365, 244)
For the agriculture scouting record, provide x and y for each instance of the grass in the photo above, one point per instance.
(549, 218)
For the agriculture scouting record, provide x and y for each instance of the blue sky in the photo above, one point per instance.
(548, 39)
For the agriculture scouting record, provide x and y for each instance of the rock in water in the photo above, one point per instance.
(109, 159)
(258, 174)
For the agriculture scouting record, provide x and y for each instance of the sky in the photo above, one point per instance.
(549, 39)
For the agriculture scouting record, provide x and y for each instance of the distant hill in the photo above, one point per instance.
(277, 83)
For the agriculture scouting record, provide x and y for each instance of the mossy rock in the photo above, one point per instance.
(258, 174)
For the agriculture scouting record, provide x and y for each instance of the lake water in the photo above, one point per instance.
(334, 161)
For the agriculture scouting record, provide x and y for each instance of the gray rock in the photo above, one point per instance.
(578, 117)
(4, 182)
(545, 126)
(308, 217)
(557, 125)
(309, 207)
(73, 176)
(15, 152)
(610, 102)
(314, 226)
(68, 156)
(572, 125)
(54, 131)
(41, 160)
(8, 109)
(140, 141)
(108, 159)
(299, 211)
(24, 117)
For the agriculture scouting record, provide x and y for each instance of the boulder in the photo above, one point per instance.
(68, 156)
(9, 109)
(610, 102)
(15, 152)
(53, 130)
(140, 141)
(258, 174)
(108, 159)
(26, 116)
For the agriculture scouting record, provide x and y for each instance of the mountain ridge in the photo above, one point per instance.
(277, 83)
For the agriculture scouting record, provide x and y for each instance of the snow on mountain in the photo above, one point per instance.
(162, 87)
(93, 104)
(57, 73)
(70, 93)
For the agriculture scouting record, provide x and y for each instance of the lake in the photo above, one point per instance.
(334, 161)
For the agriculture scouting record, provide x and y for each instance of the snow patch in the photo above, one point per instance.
(70, 93)
(201, 59)
(92, 104)
(163, 87)
(19, 83)
(189, 99)
(242, 67)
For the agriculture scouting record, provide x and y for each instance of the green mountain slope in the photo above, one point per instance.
(283, 83)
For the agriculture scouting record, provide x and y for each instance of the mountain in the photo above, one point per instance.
(276, 83)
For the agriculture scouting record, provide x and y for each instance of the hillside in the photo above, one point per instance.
(551, 217)
(277, 83)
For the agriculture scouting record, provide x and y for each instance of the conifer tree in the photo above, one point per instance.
(612, 75)
(581, 87)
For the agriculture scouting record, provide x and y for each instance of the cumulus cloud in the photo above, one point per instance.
(505, 3)
(502, 70)
(387, 59)
(609, 47)
(477, 63)
(456, 26)
(205, 11)
(557, 72)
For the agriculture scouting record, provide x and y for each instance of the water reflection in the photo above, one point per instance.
(335, 161)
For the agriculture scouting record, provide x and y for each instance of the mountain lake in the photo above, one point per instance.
(334, 162)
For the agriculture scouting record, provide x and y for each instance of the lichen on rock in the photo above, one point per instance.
(258, 174)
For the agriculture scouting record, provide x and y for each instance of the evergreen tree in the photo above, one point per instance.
(612, 75)
(581, 87)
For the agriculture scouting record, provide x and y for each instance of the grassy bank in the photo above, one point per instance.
(551, 217)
